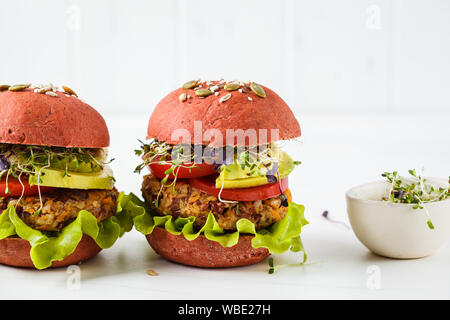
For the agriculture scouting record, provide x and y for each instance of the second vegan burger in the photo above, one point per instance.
(217, 194)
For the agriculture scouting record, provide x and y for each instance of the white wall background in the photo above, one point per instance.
(122, 56)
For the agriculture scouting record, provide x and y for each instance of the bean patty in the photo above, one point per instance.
(182, 200)
(61, 206)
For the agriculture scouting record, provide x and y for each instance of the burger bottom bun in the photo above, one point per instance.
(205, 253)
(16, 252)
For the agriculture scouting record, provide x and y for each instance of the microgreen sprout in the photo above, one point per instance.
(326, 215)
(283, 198)
(273, 267)
(414, 190)
(26, 158)
(256, 160)
(158, 152)
(17, 160)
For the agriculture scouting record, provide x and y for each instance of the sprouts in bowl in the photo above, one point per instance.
(401, 218)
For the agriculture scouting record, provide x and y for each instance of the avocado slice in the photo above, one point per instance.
(51, 177)
(233, 176)
(74, 165)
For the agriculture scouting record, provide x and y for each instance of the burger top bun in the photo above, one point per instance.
(244, 109)
(33, 118)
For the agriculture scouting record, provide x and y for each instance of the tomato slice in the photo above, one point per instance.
(270, 190)
(15, 188)
(199, 170)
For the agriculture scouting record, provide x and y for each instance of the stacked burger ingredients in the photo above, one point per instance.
(57, 196)
(217, 194)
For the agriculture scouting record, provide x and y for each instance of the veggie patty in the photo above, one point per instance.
(183, 200)
(61, 206)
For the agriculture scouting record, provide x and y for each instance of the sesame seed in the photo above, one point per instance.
(225, 97)
(151, 272)
(51, 93)
(250, 99)
(182, 97)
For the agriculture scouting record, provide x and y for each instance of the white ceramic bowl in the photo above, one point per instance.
(396, 230)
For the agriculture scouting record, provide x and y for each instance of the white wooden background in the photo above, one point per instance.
(335, 56)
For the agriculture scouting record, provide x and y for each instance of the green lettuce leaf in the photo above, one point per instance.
(46, 249)
(280, 237)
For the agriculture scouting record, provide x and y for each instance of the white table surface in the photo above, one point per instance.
(338, 152)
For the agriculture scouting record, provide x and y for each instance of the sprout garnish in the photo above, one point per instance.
(17, 160)
(258, 160)
(414, 190)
